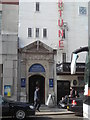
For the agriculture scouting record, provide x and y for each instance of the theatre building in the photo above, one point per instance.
(48, 33)
(36, 42)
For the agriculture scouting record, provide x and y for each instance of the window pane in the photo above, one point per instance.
(37, 32)
(64, 33)
(63, 57)
(29, 32)
(37, 6)
(44, 32)
(82, 10)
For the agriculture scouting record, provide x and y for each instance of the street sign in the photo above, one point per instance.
(50, 82)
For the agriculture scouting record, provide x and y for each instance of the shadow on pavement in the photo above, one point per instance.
(47, 118)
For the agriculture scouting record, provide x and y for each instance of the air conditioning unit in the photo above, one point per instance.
(74, 83)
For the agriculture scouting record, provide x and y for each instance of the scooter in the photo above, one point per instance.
(63, 103)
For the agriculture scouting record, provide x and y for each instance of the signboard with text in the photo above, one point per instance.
(7, 90)
(23, 82)
(36, 68)
(60, 24)
(50, 83)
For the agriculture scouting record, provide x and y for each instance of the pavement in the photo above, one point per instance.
(47, 110)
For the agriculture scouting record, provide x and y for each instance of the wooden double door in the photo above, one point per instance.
(63, 88)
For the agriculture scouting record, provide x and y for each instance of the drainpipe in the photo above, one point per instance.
(19, 76)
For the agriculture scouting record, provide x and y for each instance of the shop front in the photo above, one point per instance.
(65, 80)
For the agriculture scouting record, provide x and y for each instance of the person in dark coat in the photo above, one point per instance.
(76, 94)
(72, 93)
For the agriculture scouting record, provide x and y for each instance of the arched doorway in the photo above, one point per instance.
(33, 80)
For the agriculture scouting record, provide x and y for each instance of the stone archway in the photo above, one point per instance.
(32, 84)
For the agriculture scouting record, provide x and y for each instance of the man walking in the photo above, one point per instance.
(72, 93)
(37, 99)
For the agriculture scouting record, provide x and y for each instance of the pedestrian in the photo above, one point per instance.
(37, 99)
(72, 93)
(76, 94)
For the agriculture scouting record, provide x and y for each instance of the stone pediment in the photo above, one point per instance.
(37, 46)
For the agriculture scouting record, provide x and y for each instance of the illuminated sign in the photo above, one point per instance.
(60, 24)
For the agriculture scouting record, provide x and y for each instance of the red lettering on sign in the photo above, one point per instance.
(61, 43)
(60, 12)
(60, 4)
(60, 22)
(60, 33)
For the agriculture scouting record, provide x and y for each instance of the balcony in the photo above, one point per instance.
(64, 68)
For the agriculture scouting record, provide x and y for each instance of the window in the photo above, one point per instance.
(82, 10)
(29, 32)
(37, 32)
(63, 57)
(64, 33)
(44, 33)
(37, 6)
